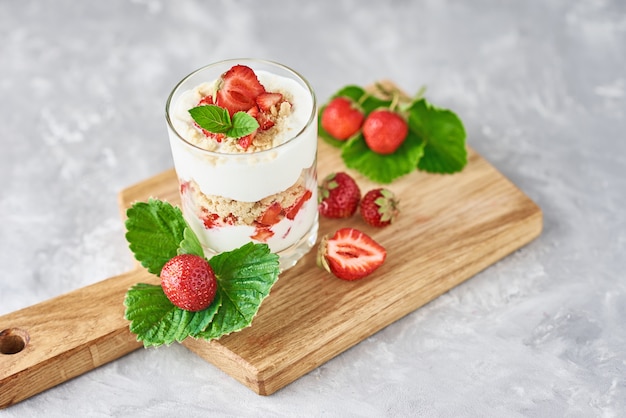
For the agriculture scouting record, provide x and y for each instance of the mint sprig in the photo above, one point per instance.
(435, 142)
(217, 120)
(157, 232)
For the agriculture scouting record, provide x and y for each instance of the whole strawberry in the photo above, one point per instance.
(342, 118)
(350, 254)
(339, 196)
(189, 282)
(384, 131)
(379, 207)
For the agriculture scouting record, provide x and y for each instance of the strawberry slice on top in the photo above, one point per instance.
(238, 89)
(265, 100)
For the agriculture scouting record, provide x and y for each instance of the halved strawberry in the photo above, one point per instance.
(238, 89)
(265, 101)
(350, 254)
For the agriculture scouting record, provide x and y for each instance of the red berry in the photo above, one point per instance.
(189, 282)
(293, 210)
(272, 215)
(239, 87)
(350, 254)
(339, 196)
(265, 120)
(341, 118)
(265, 101)
(245, 141)
(384, 131)
(379, 207)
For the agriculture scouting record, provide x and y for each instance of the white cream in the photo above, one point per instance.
(248, 177)
(286, 232)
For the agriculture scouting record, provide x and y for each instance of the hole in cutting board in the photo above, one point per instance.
(13, 340)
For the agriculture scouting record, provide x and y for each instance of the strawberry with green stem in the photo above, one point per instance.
(339, 196)
(189, 282)
(379, 207)
(385, 129)
(342, 118)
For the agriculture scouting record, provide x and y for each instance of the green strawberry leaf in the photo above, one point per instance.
(352, 91)
(156, 321)
(190, 243)
(244, 278)
(212, 118)
(217, 120)
(444, 135)
(435, 143)
(383, 168)
(154, 232)
(243, 124)
(371, 103)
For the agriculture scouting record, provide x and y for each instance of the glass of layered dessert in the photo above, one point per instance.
(243, 135)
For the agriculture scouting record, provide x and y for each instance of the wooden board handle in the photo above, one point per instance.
(64, 337)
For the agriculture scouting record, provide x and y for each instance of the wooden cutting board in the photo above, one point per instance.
(451, 227)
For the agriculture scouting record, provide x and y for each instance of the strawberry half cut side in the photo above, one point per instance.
(238, 90)
(350, 254)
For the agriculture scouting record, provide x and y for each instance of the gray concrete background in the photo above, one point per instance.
(541, 87)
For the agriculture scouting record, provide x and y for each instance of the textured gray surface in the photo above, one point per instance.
(541, 87)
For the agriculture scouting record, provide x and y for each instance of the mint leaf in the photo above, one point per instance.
(212, 118)
(243, 124)
(155, 320)
(244, 278)
(444, 135)
(154, 232)
(217, 120)
(383, 168)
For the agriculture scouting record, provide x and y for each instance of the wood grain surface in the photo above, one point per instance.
(450, 228)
